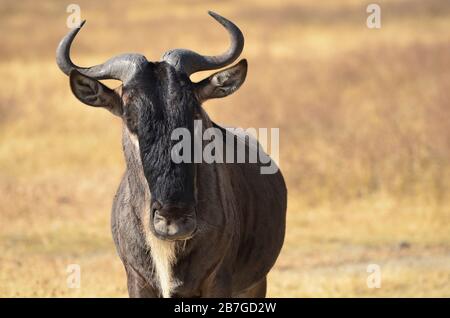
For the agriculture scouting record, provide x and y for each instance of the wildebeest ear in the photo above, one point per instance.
(222, 83)
(91, 92)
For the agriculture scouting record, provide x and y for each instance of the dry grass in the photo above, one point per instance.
(363, 117)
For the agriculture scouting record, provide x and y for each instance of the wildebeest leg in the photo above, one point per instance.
(256, 291)
(218, 286)
(138, 287)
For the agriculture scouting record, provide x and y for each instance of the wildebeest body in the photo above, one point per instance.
(184, 229)
(242, 221)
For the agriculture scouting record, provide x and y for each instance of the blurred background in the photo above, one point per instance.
(364, 118)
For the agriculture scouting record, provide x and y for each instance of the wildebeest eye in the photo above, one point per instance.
(130, 117)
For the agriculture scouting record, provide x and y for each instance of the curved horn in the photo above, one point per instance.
(190, 62)
(121, 67)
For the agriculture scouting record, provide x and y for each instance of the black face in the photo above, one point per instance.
(157, 102)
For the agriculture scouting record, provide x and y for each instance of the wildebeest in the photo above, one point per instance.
(186, 229)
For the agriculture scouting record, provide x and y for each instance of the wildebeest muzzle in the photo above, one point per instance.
(173, 222)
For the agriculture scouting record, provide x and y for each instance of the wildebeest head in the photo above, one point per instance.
(153, 100)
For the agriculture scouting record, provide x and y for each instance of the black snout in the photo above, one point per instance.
(173, 222)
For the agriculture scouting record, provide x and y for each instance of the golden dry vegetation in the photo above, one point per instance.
(364, 129)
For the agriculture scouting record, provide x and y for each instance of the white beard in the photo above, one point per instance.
(163, 253)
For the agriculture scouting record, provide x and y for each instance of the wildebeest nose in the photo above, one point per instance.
(173, 224)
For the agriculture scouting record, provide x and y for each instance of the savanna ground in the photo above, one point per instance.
(364, 129)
